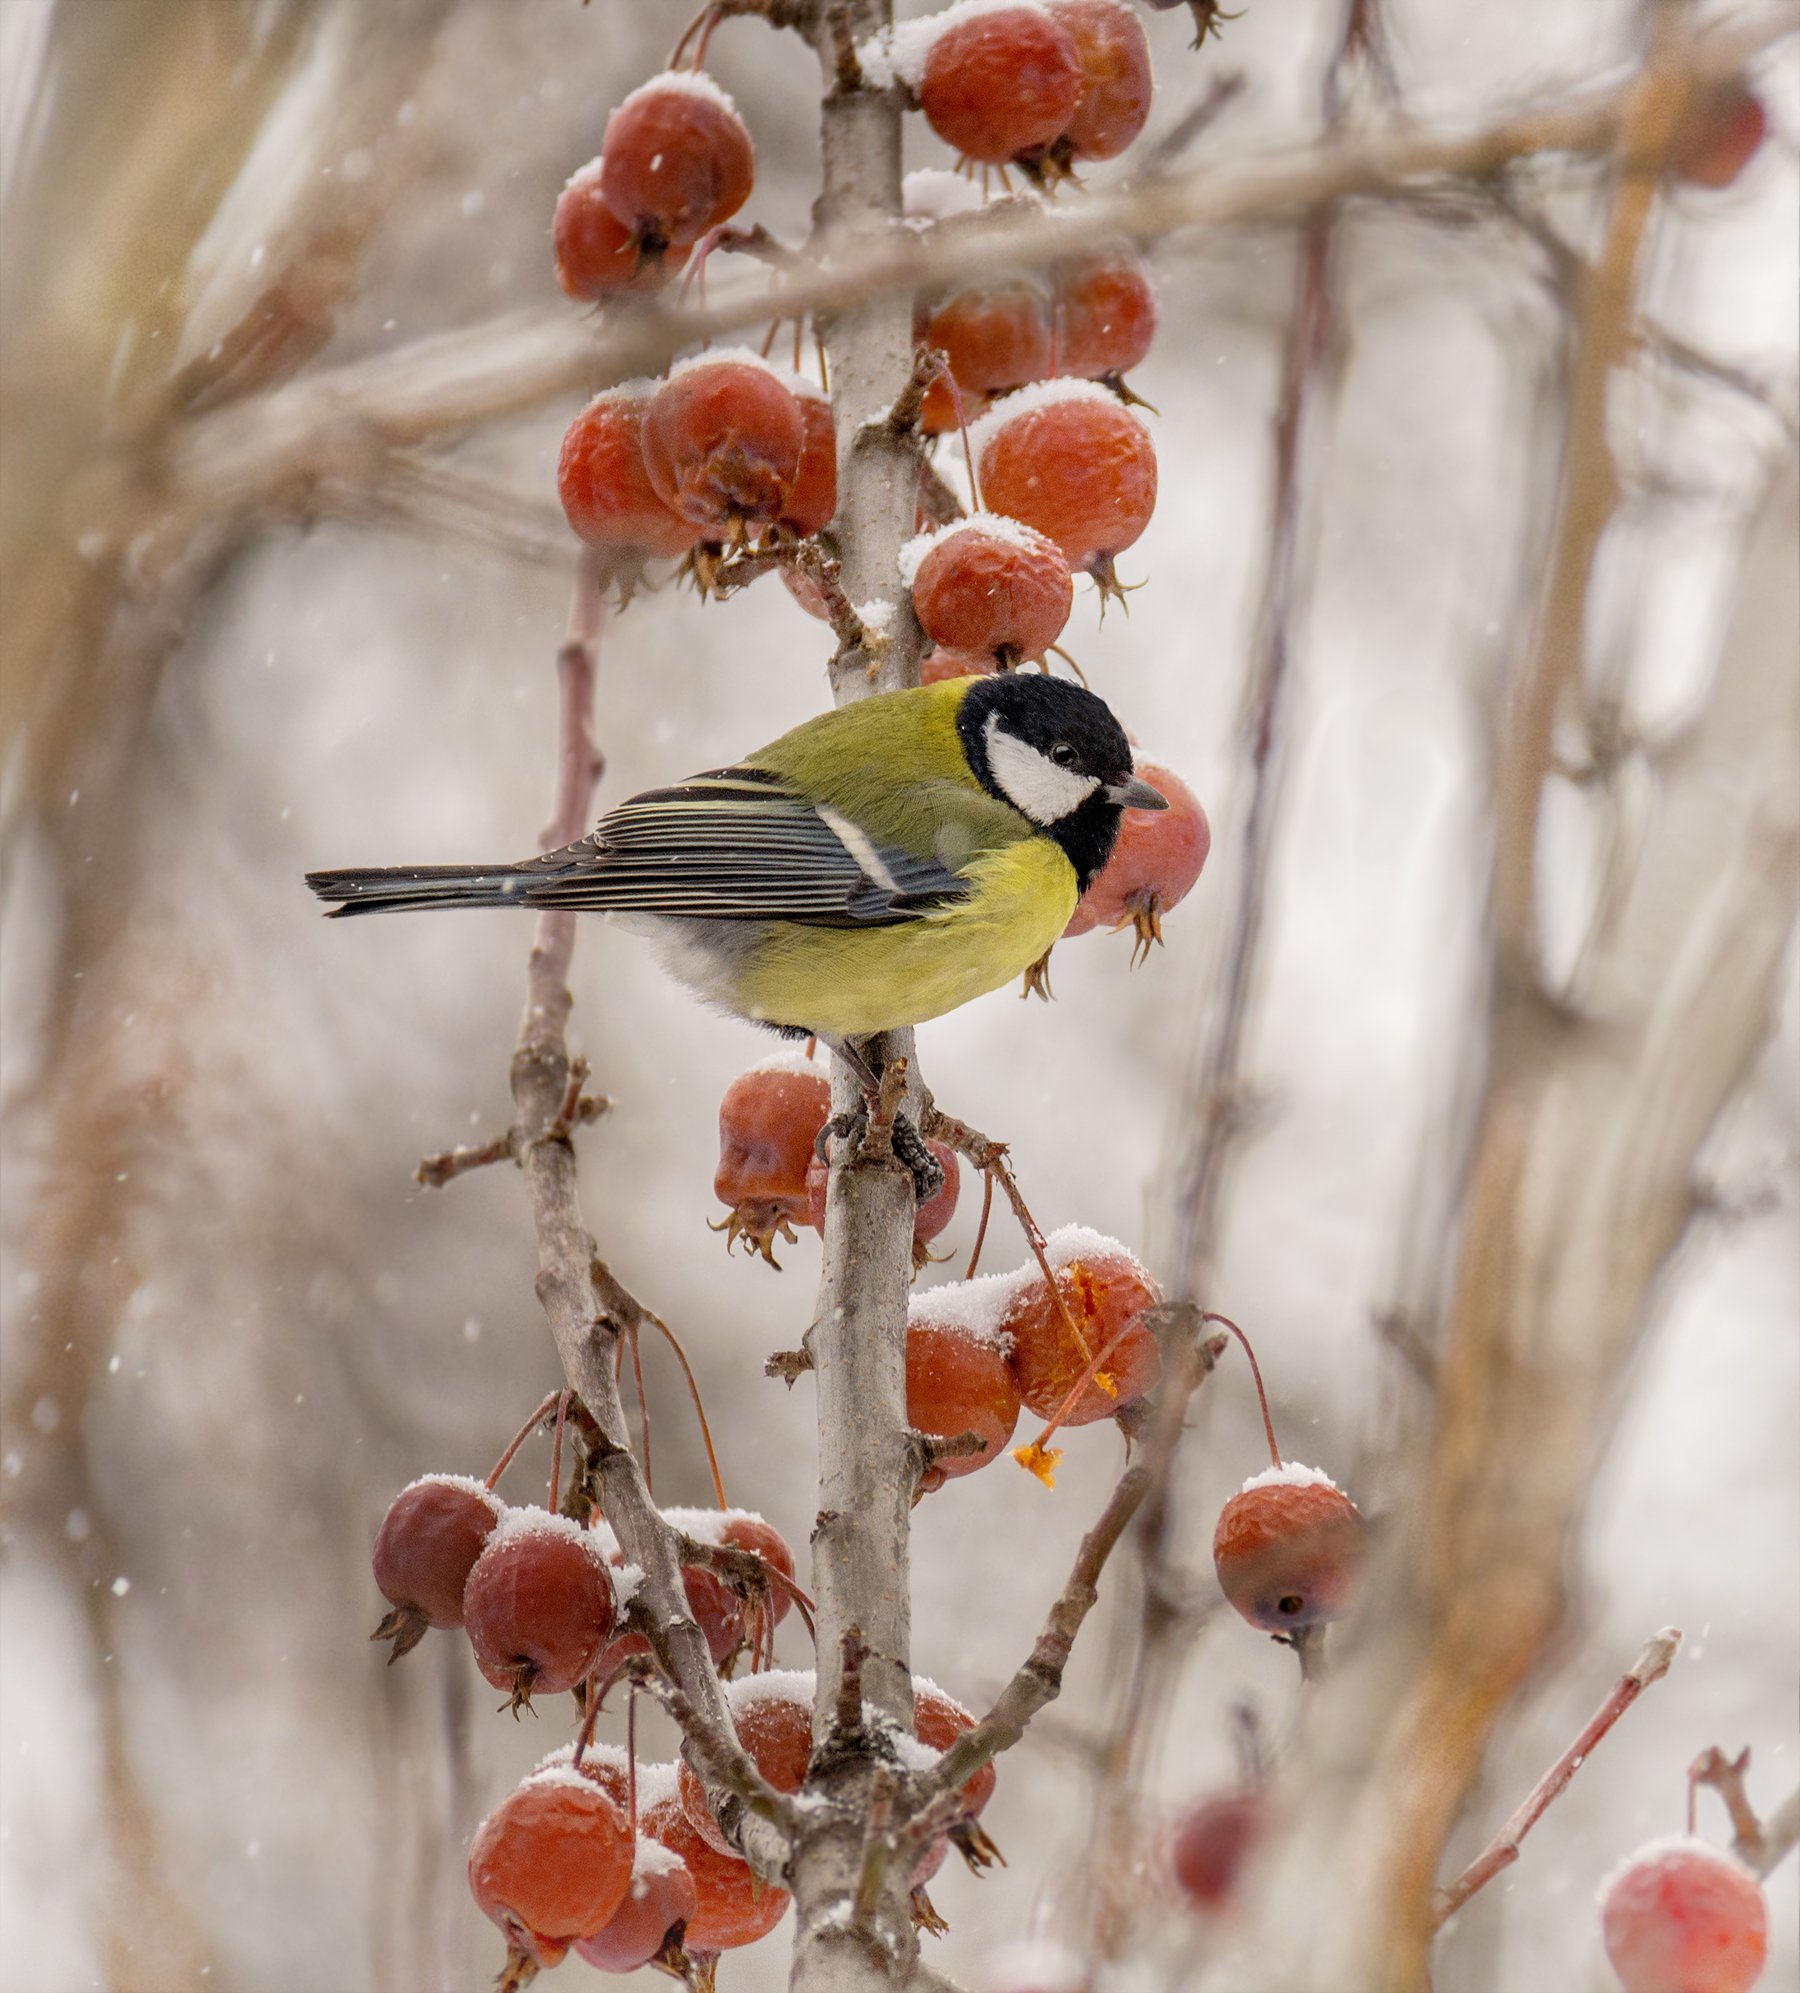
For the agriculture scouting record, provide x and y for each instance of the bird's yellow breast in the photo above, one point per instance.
(850, 982)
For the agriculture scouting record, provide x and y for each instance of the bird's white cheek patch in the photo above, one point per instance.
(1032, 782)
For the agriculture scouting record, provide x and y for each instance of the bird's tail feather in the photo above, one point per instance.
(395, 888)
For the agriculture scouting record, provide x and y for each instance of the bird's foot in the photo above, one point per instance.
(909, 1148)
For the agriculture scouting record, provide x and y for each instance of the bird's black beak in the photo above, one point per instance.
(1131, 794)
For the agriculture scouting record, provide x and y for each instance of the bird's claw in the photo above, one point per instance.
(909, 1149)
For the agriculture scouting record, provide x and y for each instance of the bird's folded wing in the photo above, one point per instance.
(738, 845)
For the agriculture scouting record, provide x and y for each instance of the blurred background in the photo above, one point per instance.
(233, 1327)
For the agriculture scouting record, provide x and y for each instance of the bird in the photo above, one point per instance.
(877, 866)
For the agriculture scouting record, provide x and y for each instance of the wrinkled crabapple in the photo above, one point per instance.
(732, 1906)
(995, 336)
(1682, 1917)
(427, 1544)
(1066, 457)
(597, 255)
(539, 1603)
(987, 583)
(1289, 1549)
(772, 1715)
(994, 82)
(676, 160)
(959, 1377)
(1116, 81)
(1106, 1292)
(723, 439)
(1158, 856)
(769, 1123)
(551, 1863)
(604, 485)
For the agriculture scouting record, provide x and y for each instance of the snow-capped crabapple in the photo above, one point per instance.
(427, 1544)
(772, 1715)
(551, 1864)
(1106, 1293)
(1682, 1917)
(676, 160)
(958, 1380)
(994, 336)
(1116, 81)
(732, 1907)
(597, 255)
(769, 1123)
(1289, 1549)
(1106, 313)
(539, 1604)
(1069, 459)
(989, 584)
(1213, 1842)
(660, 1896)
(723, 439)
(1000, 83)
(1155, 861)
(1721, 133)
(604, 485)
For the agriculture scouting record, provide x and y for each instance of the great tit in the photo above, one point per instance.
(877, 866)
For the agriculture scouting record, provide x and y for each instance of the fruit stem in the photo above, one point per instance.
(712, 1459)
(1262, 1397)
(1028, 1455)
(562, 1413)
(987, 1205)
(520, 1437)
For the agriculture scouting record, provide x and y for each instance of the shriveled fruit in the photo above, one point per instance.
(1154, 864)
(930, 1218)
(989, 584)
(723, 438)
(732, 1907)
(551, 1863)
(660, 1900)
(769, 1123)
(676, 159)
(427, 1544)
(772, 1714)
(1106, 313)
(1214, 1841)
(997, 82)
(1681, 1917)
(539, 1604)
(995, 336)
(1069, 459)
(597, 255)
(604, 485)
(1116, 81)
(1289, 1548)
(1721, 134)
(959, 1376)
(1105, 1293)
(811, 504)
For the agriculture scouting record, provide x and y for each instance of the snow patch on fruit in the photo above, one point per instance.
(708, 1525)
(540, 1522)
(583, 174)
(1688, 1847)
(612, 1756)
(465, 1483)
(789, 1062)
(992, 525)
(651, 1858)
(744, 356)
(1081, 1242)
(1290, 1474)
(563, 1774)
(1028, 400)
(772, 1685)
(935, 194)
(639, 389)
(924, 1686)
(975, 1308)
(628, 1581)
(688, 83)
(899, 54)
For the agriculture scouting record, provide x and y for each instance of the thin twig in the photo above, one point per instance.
(1503, 1850)
(1761, 1846)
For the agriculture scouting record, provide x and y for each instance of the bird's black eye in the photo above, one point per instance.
(1063, 754)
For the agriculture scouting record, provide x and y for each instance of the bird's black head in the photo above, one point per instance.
(1055, 753)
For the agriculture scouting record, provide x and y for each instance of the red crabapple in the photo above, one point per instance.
(1067, 458)
(723, 439)
(995, 336)
(941, 664)
(989, 584)
(551, 1863)
(1214, 1840)
(928, 1221)
(997, 82)
(732, 1906)
(660, 1896)
(605, 488)
(1289, 1549)
(723, 1615)
(428, 1541)
(772, 1715)
(1106, 313)
(958, 1378)
(1681, 1917)
(1115, 78)
(539, 1604)
(1721, 134)
(811, 504)
(1158, 856)
(676, 159)
(1106, 1293)
(769, 1123)
(597, 255)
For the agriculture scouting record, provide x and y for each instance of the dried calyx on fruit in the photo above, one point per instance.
(1680, 1916)
(990, 585)
(1156, 860)
(424, 1551)
(540, 1602)
(676, 160)
(597, 255)
(1290, 1544)
(769, 1125)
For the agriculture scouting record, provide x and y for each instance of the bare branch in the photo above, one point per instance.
(1761, 1847)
